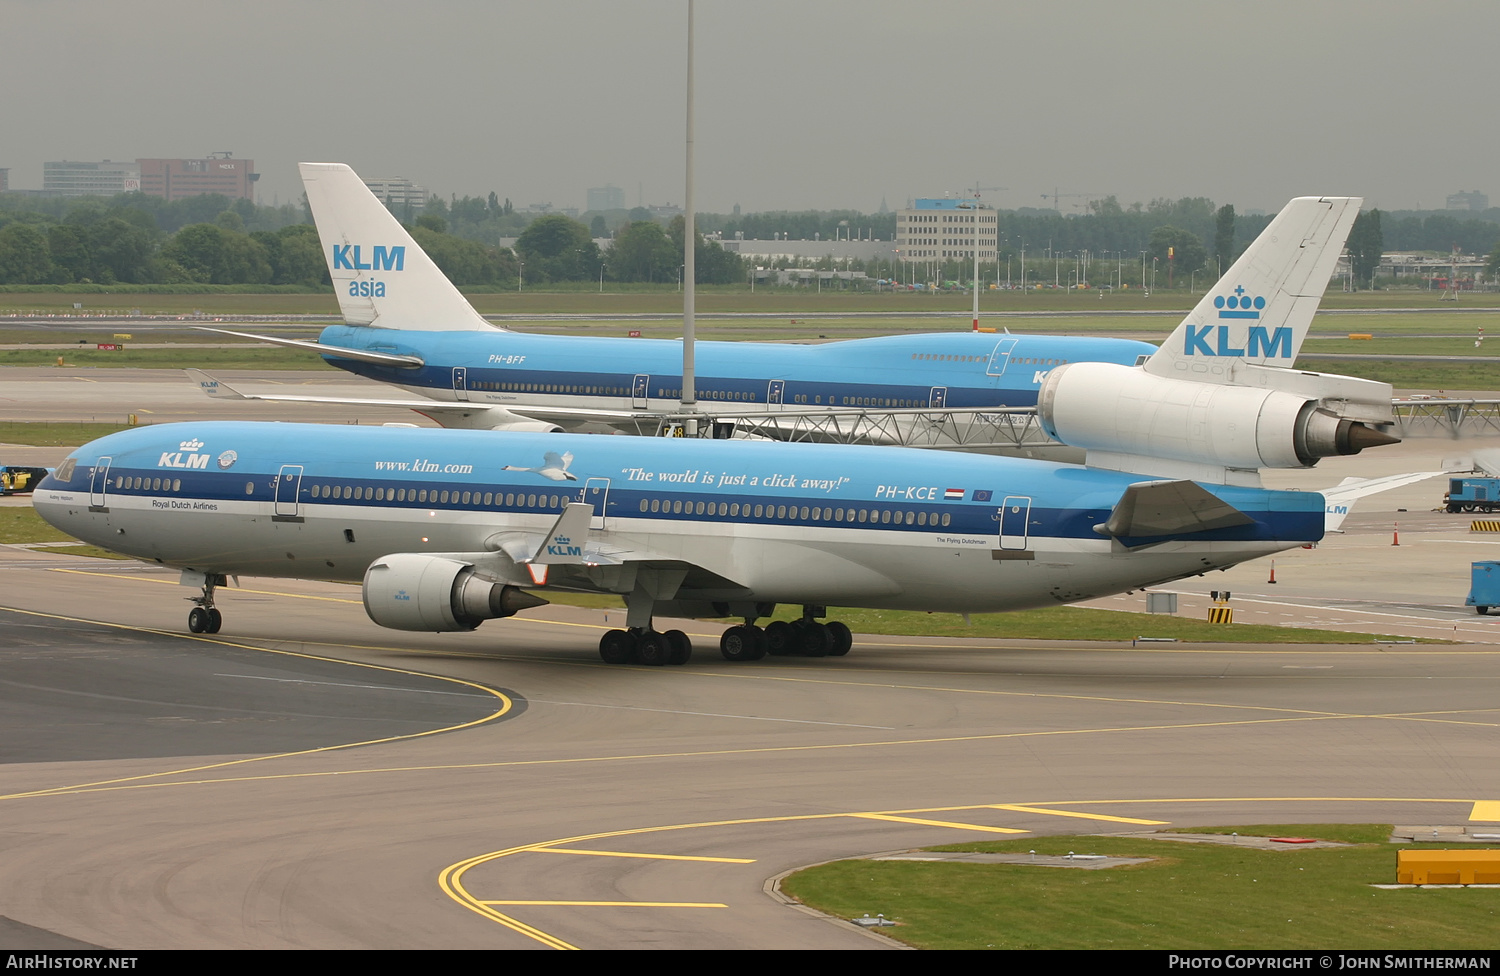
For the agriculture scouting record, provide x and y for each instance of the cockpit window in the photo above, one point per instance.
(64, 471)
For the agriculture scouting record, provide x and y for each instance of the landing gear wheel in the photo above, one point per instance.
(681, 648)
(199, 621)
(814, 638)
(842, 639)
(782, 638)
(617, 646)
(215, 620)
(739, 644)
(1483, 611)
(652, 648)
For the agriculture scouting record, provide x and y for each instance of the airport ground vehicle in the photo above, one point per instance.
(1476, 494)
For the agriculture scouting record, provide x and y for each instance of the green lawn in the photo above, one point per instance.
(53, 433)
(1191, 896)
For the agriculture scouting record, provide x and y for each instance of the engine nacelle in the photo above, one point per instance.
(411, 591)
(529, 427)
(1126, 410)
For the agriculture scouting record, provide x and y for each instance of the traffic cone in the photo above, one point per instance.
(1273, 572)
(1396, 534)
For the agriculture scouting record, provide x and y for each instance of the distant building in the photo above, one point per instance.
(401, 196)
(944, 229)
(78, 179)
(177, 179)
(1473, 200)
(606, 197)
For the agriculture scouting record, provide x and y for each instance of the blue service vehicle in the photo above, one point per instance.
(1484, 586)
(1473, 495)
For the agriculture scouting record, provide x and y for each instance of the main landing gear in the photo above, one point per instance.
(642, 645)
(205, 618)
(805, 637)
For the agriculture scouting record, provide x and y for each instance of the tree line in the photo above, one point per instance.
(140, 239)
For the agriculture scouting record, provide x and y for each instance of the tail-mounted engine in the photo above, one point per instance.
(1269, 417)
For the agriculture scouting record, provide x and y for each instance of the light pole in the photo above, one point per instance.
(601, 277)
(520, 275)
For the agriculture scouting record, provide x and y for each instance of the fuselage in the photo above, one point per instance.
(941, 369)
(790, 523)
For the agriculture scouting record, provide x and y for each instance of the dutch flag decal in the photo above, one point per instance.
(954, 494)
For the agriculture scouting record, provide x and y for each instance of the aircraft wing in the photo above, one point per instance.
(1341, 498)
(323, 349)
(219, 390)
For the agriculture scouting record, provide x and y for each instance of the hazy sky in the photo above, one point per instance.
(801, 103)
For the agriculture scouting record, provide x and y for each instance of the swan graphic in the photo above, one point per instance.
(554, 467)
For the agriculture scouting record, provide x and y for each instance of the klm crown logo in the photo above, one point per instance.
(1239, 305)
(1238, 341)
(191, 445)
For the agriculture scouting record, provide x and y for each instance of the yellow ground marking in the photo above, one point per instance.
(506, 704)
(1071, 813)
(655, 857)
(615, 904)
(450, 880)
(938, 823)
(1485, 810)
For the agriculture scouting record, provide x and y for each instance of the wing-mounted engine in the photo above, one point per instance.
(416, 591)
(1130, 420)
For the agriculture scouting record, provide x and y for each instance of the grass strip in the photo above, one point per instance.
(1190, 896)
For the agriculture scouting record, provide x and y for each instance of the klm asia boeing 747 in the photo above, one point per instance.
(409, 327)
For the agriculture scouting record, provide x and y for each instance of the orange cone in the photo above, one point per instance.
(1396, 534)
(1273, 572)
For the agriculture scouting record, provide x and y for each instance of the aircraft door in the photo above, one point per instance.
(1000, 358)
(288, 492)
(639, 390)
(776, 392)
(938, 397)
(1015, 521)
(596, 493)
(460, 383)
(98, 485)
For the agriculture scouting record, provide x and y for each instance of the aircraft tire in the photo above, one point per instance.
(652, 649)
(782, 639)
(814, 638)
(681, 647)
(616, 646)
(735, 644)
(842, 639)
(215, 620)
(199, 621)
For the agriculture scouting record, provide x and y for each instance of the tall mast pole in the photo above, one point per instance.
(689, 271)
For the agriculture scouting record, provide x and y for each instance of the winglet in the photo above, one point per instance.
(214, 387)
(1260, 311)
(381, 276)
(564, 542)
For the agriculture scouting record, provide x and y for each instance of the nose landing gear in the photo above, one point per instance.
(205, 618)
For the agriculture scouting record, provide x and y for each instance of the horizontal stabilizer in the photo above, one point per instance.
(1157, 508)
(323, 349)
(1339, 500)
